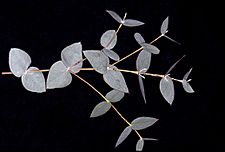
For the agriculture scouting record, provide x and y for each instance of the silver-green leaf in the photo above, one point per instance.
(140, 145)
(143, 60)
(139, 38)
(142, 123)
(164, 26)
(98, 60)
(167, 89)
(115, 16)
(114, 95)
(123, 135)
(187, 74)
(187, 87)
(58, 76)
(109, 39)
(72, 57)
(150, 48)
(19, 61)
(142, 88)
(132, 23)
(33, 80)
(100, 109)
(115, 79)
(111, 54)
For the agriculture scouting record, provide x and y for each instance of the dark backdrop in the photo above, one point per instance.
(58, 120)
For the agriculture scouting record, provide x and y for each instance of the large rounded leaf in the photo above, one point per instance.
(143, 60)
(167, 89)
(109, 39)
(72, 56)
(58, 76)
(19, 61)
(115, 80)
(33, 80)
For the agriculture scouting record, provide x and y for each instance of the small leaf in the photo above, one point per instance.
(139, 38)
(143, 60)
(115, 80)
(187, 74)
(58, 76)
(115, 16)
(150, 139)
(72, 56)
(98, 60)
(164, 26)
(100, 109)
(171, 68)
(109, 39)
(19, 61)
(123, 135)
(132, 23)
(150, 48)
(111, 54)
(167, 89)
(114, 95)
(140, 145)
(187, 87)
(142, 88)
(33, 81)
(143, 122)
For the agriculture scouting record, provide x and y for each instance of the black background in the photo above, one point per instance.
(58, 120)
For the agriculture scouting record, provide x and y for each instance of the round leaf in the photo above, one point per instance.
(58, 76)
(167, 89)
(109, 39)
(33, 80)
(114, 95)
(150, 48)
(139, 38)
(142, 122)
(19, 61)
(140, 145)
(143, 60)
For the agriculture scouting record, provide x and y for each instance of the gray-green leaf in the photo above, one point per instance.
(58, 76)
(115, 80)
(33, 81)
(187, 87)
(111, 54)
(187, 74)
(109, 39)
(19, 61)
(98, 60)
(164, 26)
(167, 89)
(150, 48)
(123, 135)
(143, 60)
(115, 16)
(139, 38)
(142, 122)
(132, 23)
(142, 88)
(72, 57)
(100, 109)
(114, 95)
(140, 145)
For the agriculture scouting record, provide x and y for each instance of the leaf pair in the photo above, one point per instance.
(144, 59)
(60, 72)
(101, 108)
(137, 124)
(125, 22)
(32, 79)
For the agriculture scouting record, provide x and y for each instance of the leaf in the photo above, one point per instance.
(72, 56)
(167, 89)
(34, 81)
(150, 48)
(98, 60)
(187, 74)
(142, 123)
(150, 139)
(132, 23)
(111, 54)
(123, 135)
(187, 87)
(142, 88)
(139, 38)
(115, 80)
(164, 26)
(100, 109)
(140, 145)
(115, 16)
(114, 95)
(58, 76)
(109, 39)
(143, 60)
(171, 68)
(19, 61)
